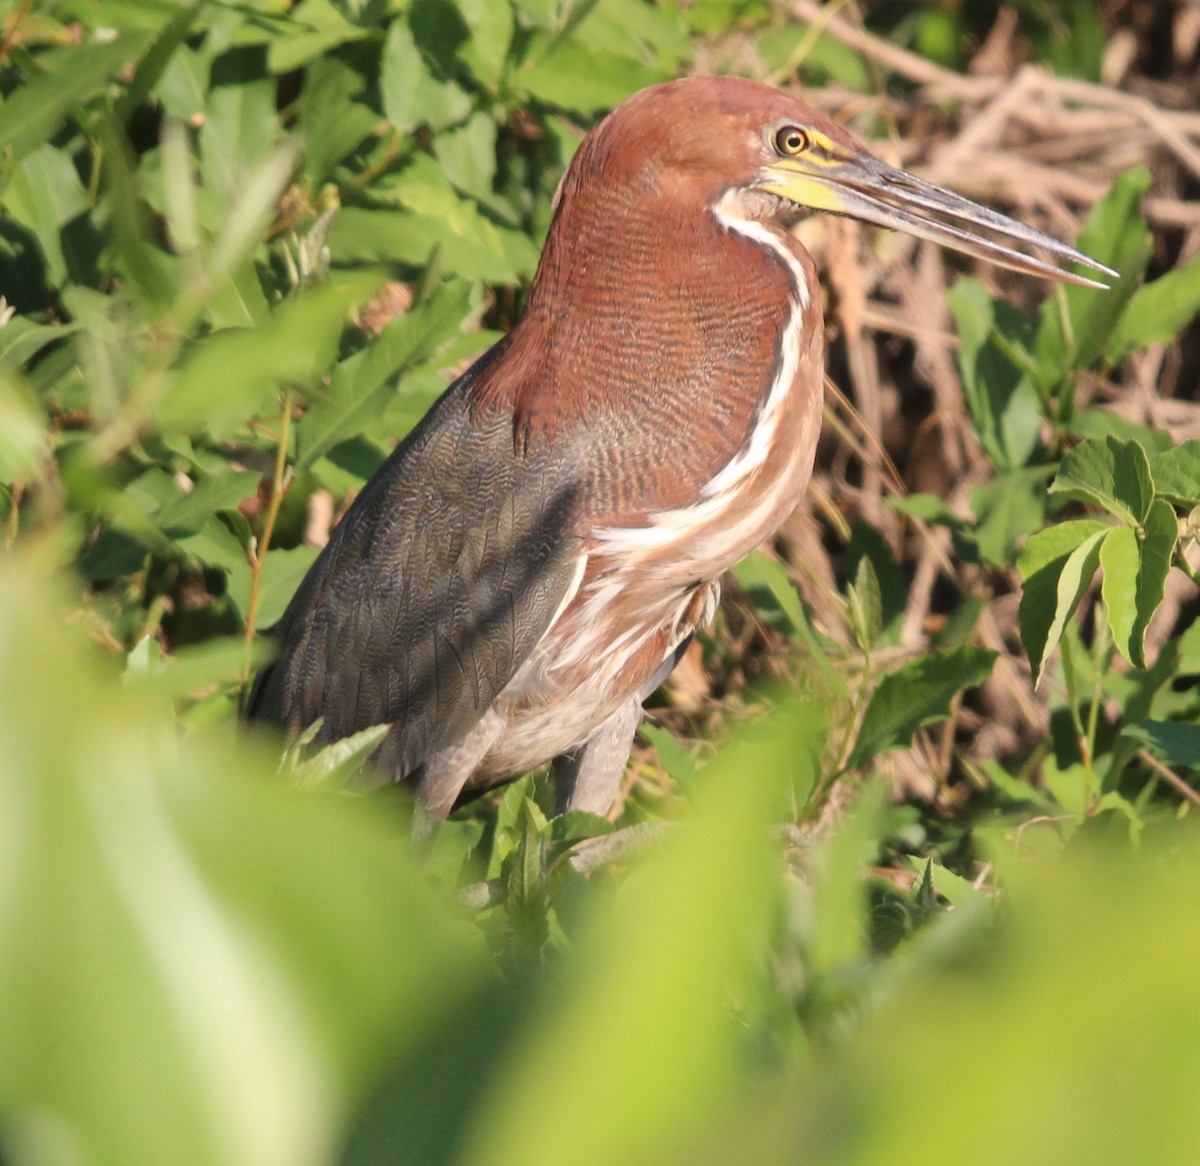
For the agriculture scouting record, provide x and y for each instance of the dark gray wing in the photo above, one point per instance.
(431, 592)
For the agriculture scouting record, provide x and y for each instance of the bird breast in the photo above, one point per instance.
(643, 586)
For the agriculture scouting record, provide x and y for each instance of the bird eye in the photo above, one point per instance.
(791, 140)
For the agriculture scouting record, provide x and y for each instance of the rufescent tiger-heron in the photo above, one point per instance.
(532, 560)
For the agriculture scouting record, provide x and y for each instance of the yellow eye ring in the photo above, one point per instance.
(791, 140)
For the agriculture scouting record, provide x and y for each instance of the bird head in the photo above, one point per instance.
(748, 151)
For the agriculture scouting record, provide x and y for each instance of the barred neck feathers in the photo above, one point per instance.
(654, 334)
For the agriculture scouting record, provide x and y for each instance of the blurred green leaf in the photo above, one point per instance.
(1021, 1014)
(1175, 743)
(213, 492)
(23, 441)
(677, 762)
(492, 25)
(866, 605)
(467, 156)
(282, 573)
(315, 28)
(643, 1020)
(469, 244)
(569, 75)
(1008, 508)
(174, 943)
(239, 128)
(412, 96)
(31, 114)
(334, 115)
(355, 391)
(332, 766)
(231, 375)
(758, 569)
(929, 508)
(837, 939)
(45, 193)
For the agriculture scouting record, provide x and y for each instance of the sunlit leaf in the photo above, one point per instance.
(1047, 599)
(1157, 311)
(1177, 473)
(1112, 474)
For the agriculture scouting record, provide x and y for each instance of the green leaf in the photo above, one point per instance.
(21, 340)
(335, 764)
(217, 546)
(928, 508)
(282, 573)
(213, 492)
(1112, 474)
(240, 127)
(469, 244)
(315, 27)
(914, 695)
(1004, 405)
(525, 876)
(492, 25)
(679, 764)
(642, 1016)
(411, 94)
(866, 605)
(1077, 322)
(31, 114)
(467, 156)
(1175, 743)
(150, 272)
(232, 375)
(44, 193)
(219, 661)
(759, 570)
(837, 937)
(183, 87)
(236, 942)
(1157, 312)
(1102, 423)
(571, 76)
(1054, 569)
(334, 116)
(358, 388)
(24, 445)
(1007, 509)
(1176, 473)
(152, 65)
(1157, 550)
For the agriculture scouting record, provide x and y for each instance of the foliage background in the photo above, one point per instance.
(909, 904)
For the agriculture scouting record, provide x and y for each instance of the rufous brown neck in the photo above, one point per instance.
(650, 326)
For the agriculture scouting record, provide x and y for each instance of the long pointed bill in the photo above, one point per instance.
(864, 188)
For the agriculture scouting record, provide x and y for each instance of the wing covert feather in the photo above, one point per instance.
(431, 592)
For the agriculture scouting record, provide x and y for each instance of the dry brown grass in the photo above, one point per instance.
(1041, 148)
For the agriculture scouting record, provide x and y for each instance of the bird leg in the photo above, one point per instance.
(446, 772)
(589, 776)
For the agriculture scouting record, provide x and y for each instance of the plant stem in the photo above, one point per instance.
(260, 547)
(1081, 734)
